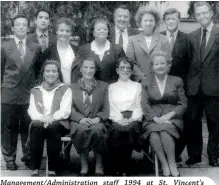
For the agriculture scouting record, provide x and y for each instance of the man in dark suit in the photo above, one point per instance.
(120, 33)
(179, 44)
(203, 86)
(42, 35)
(18, 60)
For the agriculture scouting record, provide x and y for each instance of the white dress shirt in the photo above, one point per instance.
(148, 41)
(125, 96)
(99, 52)
(23, 41)
(66, 59)
(125, 37)
(208, 33)
(62, 113)
(161, 84)
(174, 35)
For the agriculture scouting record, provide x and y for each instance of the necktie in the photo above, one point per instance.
(43, 43)
(203, 44)
(21, 49)
(171, 41)
(121, 39)
(87, 103)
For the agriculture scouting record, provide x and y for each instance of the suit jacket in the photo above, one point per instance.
(107, 67)
(52, 53)
(17, 75)
(204, 75)
(33, 38)
(131, 32)
(138, 52)
(173, 99)
(100, 102)
(180, 56)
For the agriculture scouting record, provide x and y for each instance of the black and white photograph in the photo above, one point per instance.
(110, 89)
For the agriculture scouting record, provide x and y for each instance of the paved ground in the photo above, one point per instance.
(138, 163)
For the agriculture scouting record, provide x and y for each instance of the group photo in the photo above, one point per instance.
(110, 88)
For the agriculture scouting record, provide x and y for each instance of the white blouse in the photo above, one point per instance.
(161, 84)
(125, 96)
(148, 41)
(99, 52)
(62, 113)
(66, 59)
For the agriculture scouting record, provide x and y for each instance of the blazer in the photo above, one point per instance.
(180, 56)
(204, 75)
(138, 52)
(17, 75)
(131, 31)
(100, 102)
(173, 99)
(52, 53)
(107, 67)
(33, 38)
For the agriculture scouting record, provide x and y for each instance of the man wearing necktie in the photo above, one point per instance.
(18, 60)
(120, 33)
(179, 44)
(203, 87)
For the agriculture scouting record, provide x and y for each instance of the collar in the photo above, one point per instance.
(96, 50)
(122, 82)
(18, 40)
(40, 33)
(158, 80)
(174, 33)
(118, 30)
(209, 28)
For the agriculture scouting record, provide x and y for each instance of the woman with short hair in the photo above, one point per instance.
(163, 103)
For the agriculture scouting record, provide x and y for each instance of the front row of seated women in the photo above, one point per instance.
(111, 121)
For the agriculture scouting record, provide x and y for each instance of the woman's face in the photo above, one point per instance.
(160, 66)
(124, 71)
(148, 24)
(88, 69)
(100, 30)
(51, 74)
(63, 32)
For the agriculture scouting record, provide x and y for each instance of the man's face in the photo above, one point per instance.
(203, 15)
(121, 18)
(20, 27)
(172, 22)
(42, 21)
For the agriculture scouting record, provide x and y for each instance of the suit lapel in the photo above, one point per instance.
(177, 43)
(95, 97)
(15, 54)
(78, 97)
(35, 39)
(197, 40)
(28, 59)
(211, 40)
(156, 91)
(142, 43)
(154, 42)
(52, 39)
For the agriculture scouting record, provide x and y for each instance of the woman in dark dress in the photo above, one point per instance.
(163, 103)
(126, 115)
(90, 110)
(102, 50)
(49, 109)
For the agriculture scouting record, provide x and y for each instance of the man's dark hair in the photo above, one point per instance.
(121, 6)
(42, 10)
(171, 11)
(20, 16)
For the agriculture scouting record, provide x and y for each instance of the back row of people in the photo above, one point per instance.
(195, 59)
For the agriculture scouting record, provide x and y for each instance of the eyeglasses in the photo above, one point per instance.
(123, 68)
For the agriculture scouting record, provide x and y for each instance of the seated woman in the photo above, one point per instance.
(90, 109)
(163, 104)
(126, 115)
(50, 106)
(102, 50)
(63, 51)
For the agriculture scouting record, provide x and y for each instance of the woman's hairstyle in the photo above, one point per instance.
(171, 11)
(66, 21)
(142, 11)
(20, 16)
(125, 59)
(163, 54)
(89, 58)
(49, 62)
(93, 23)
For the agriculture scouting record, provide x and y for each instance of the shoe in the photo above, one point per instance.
(24, 159)
(51, 173)
(213, 162)
(98, 174)
(193, 160)
(11, 165)
(82, 174)
(178, 159)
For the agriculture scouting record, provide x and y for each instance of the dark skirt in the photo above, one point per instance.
(128, 135)
(89, 138)
(172, 129)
